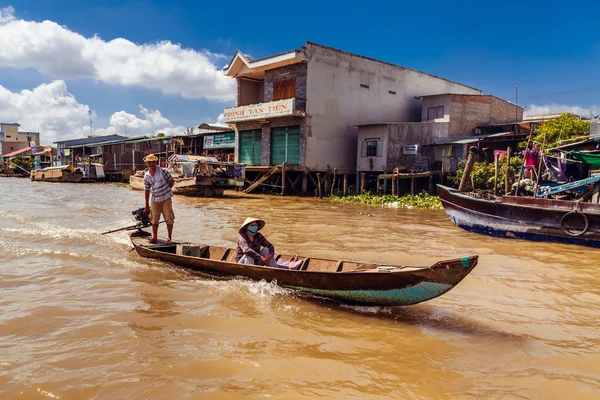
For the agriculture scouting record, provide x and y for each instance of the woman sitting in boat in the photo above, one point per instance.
(254, 249)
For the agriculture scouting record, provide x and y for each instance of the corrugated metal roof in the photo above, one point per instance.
(86, 141)
(16, 152)
(127, 140)
(468, 139)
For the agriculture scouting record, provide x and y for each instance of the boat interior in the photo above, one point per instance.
(308, 264)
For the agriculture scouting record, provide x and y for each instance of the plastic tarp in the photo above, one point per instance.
(592, 159)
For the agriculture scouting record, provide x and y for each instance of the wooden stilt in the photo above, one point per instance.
(345, 185)
(319, 185)
(412, 185)
(283, 168)
(334, 177)
(506, 177)
(363, 178)
(304, 182)
(495, 174)
(431, 188)
(294, 182)
(394, 183)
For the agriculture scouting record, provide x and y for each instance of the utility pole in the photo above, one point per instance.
(517, 102)
(90, 114)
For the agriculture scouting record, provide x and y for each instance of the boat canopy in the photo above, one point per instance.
(592, 159)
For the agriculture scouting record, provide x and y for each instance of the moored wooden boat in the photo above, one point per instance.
(342, 281)
(530, 218)
(63, 173)
(183, 186)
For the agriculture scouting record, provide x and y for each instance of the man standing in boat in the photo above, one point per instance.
(158, 182)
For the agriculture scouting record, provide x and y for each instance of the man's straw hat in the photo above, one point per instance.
(150, 157)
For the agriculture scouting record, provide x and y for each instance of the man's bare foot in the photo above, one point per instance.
(169, 241)
(153, 240)
(294, 258)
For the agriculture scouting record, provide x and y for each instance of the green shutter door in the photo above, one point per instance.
(250, 147)
(285, 145)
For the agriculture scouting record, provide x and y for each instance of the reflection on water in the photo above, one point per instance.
(84, 317)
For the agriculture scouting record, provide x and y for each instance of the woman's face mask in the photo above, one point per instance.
(253, 229)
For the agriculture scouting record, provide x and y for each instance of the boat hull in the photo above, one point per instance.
(341, 281)
(71, 177)
(182, 186)
(525, 218)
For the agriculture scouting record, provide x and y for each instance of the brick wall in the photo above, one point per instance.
(468, 112)
(503, 111)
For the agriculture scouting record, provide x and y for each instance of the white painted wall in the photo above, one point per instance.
(441, 100)
(375, 164)
(336, 102)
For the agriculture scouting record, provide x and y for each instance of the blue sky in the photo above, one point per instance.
(551, 48)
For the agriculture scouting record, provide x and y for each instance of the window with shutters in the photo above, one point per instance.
(435, 112)
(284, 89)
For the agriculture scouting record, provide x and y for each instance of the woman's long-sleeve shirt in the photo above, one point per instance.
(252, 248)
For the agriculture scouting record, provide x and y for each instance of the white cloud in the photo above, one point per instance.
(557, 108)
(54, 112)
(61, 53)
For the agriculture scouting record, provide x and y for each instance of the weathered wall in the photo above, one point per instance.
(10, 130)
(395, 137)
(380, 132)
(441, 100)
(345, 90)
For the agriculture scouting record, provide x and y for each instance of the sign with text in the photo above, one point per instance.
(411, 149)
(220, 141)
(278, 108)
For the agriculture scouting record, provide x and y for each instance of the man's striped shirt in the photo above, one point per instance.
(159, 183)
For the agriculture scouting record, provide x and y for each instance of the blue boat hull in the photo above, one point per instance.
(395, 297)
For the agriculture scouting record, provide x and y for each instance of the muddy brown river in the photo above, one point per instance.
(83, 317)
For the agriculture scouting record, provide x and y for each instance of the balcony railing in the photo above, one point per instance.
(272, 109)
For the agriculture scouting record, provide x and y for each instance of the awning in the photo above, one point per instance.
(592, 159)
(16, 152)
(180, 158)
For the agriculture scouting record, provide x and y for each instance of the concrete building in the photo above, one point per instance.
(11, 139)
(448, 123)
(304, 106)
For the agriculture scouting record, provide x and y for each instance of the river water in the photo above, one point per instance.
(83, 317)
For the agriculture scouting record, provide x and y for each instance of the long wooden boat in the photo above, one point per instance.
(64, 173)
(342, 281)
(183, 186)
(527, 218)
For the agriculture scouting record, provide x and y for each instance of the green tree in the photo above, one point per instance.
(26, 163)
(483, 174)
(566, 126)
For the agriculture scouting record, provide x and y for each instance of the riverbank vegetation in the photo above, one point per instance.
(483, 174)
(422, 200)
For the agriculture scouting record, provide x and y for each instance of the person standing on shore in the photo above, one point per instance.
(158, 182)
